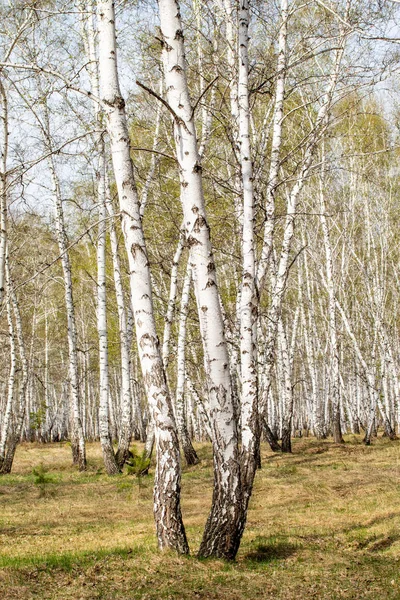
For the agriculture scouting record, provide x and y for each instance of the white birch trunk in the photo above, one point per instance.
(6, 419)
(220, 535)
(248, 306)
(167, 511)
(125, 435)
(104, 385)
(3, 190)
(6, 461)
(172, 298)
(286, 387)
(281, 272)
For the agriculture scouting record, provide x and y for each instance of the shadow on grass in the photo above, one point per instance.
(268, 551)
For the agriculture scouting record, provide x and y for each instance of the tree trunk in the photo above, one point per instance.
(15, 436)
(180, 408)
(167, 509)
(220, 536)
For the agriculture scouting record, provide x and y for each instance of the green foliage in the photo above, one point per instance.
(37, 418)
(138, 464)
(42, 479)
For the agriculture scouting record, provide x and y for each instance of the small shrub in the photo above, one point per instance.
(42, 479)
(138, 464)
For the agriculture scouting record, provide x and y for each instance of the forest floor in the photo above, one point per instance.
(323, 523)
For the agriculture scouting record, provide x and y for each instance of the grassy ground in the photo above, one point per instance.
(323, 523)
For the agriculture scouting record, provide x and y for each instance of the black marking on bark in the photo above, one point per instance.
(162, 41)
(137, 248)
(192, 241)
(116, 102)
(146, 337)
(210, 267)
(199, 223)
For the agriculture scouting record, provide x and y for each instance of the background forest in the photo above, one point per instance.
(199, 235)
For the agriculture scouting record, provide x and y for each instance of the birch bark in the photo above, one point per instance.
(104, 391)
(3, 189)
(280, 273)
(6, 420)
(286, 386)
(20, 409)
(248, 307)
(127, 394)
(220, 535)
(104, 384)
(167, 510)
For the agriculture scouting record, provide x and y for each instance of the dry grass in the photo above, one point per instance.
(324, 523)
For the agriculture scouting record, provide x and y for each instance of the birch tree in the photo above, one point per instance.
(167, 510)
(220, 536)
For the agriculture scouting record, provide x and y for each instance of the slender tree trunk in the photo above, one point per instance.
(77, 437)
(334, 348)
(6, 420)
(250, 431)
(3, 190)
(125, 435)
(15, 436)
(172, 298)
(276, 144)
(286, 385)
(180, 408)
(221, 532)
(281, 271)
(167, 510)
(104, 391)
(104, 384)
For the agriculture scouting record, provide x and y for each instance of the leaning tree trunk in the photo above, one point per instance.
(281, 272)
(220, 536)
(167, 509)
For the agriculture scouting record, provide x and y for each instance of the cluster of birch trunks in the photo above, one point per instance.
(198, 235)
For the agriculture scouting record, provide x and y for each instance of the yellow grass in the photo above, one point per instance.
(323, 523)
